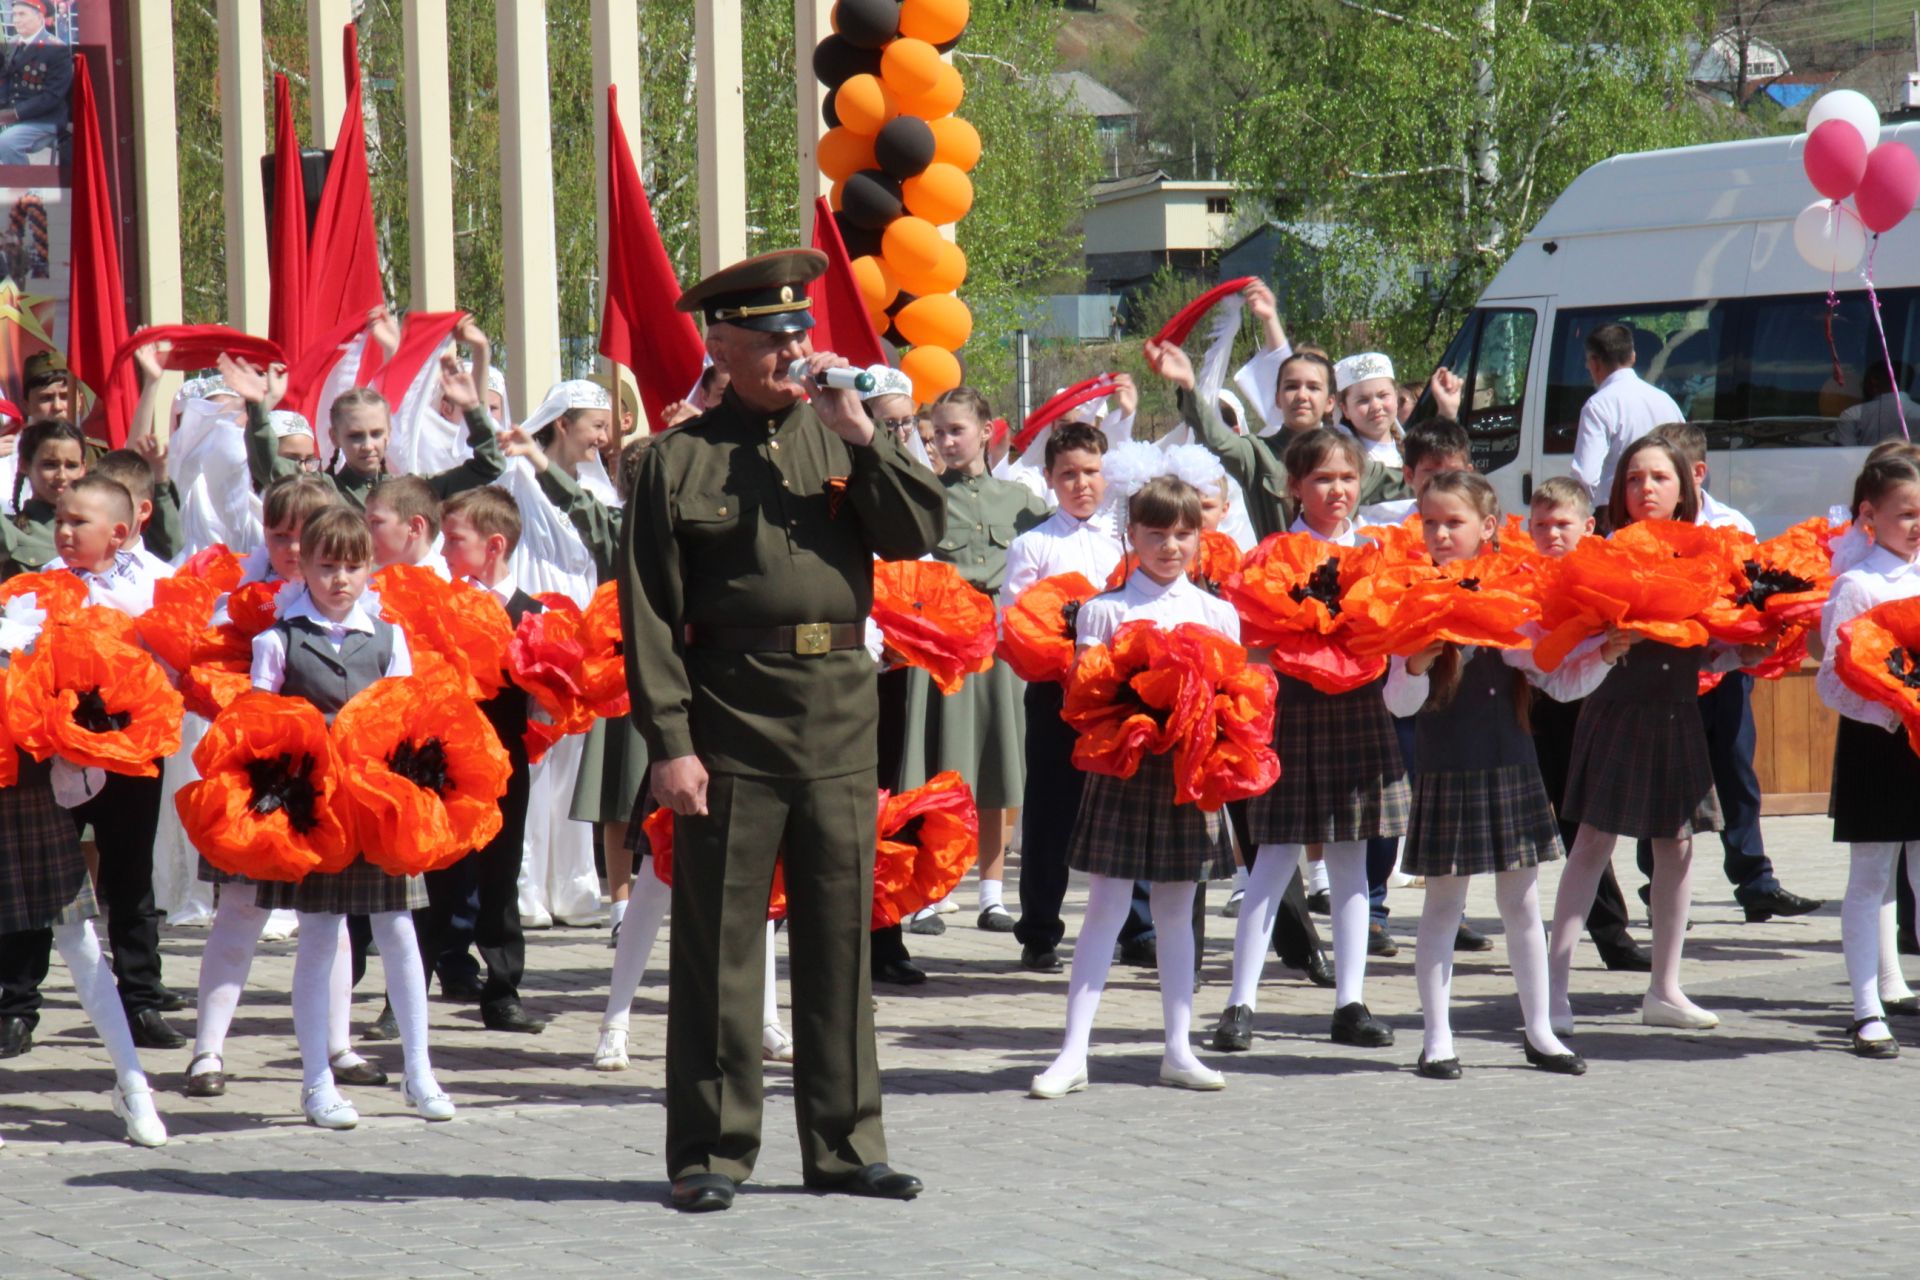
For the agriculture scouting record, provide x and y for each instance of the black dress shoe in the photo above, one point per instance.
(361, 1072)
(996, 920)
(1142, 953)
(1235, 1030)
(1765, 905)
(927, 926)
(1646, 894)
(1905, 1007)
(1440, 1069)
(150, 1031)
(509, 1016)
(1468, 938)
(703, 1192)
(1320, 902)
(881, 1181)
(1354, 1025)
(1632, 958)
(171, 1001)
(1318, 968)
(901, 973)
(1909, 943)
(1040, 959)
(462, 990)
(1380, 942)
(1560, 1064)
(1885, 1047)
(16, 1037)
(384, 1027)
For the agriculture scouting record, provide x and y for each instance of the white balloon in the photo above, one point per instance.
(1830, 237)
(1852, 106)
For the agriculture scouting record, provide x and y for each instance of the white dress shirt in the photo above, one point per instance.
(1395, 511)
(1579, 674)
(502, 590)
(126, 584)
(1062, 543)
(1620, 411)
(270, 647)
(1347, 537)
(1719, 515)
(1878, 419)
(1880, 577)
(1385, 452)
(1141, 599)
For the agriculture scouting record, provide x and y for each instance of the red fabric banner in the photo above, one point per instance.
(97, 308)
(343, 258)
(288, 323)
(840, 321)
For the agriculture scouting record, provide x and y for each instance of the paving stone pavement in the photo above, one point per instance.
(1761, 1149)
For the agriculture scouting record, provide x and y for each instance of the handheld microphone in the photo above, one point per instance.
(839, 379)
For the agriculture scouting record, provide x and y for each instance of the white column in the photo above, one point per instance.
(616, 61)
(156, 168)
(429, 155)
(723, 138)
(812, 23)
(243, 140)
(326, 78)
(526, 202)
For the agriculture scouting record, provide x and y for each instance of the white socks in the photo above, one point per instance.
(647, 904)
(1672, 896)
(224, 965)
(1868, 932)
(320, 941)
(315, 983)
(1518, 895)
(1174, 904)
(407, 993)
(1346, 865)
(771, 992)
(79, 948)
(1108, 900)
(1316, 871)
(1445, 903)
(990, 895)
(617, 912)
(1589, 858)
(1259, 906)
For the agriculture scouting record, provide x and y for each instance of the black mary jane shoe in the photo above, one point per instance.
(1559, 1064)
(1885, 1047)
(1353, 1024)
(1906, 1007)
(1234, 1033)
(361, 1073)
(878, 1181)
(206, 1084)
(1320, 903)
(1438, 1069)
(1468, 938)
(703, 1192)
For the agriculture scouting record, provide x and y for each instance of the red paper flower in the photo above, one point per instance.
(422, 773)
(9, 750)
(1610, 582)
(1291, 595)
(454, 622)
(1877, 655)
(179, 619)
(1037, 638)
(933, 619)
(264, 805)
(658, 827)
(1227, 754)
(545, 658)
(1482, 601)
(603, 673)
(86, 694)
(928, 839)
(217, 565)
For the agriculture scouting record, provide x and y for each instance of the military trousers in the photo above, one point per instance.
(823, 830)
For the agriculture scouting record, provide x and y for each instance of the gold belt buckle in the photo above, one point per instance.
(811, 639)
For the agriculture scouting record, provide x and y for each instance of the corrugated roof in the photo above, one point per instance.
(1088, 97)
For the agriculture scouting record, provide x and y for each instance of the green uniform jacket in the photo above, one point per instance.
(984, 516)
(746, 519)
(597, 523)
(29, 536)
(163, 535)
(265, 464)
(1257, 468)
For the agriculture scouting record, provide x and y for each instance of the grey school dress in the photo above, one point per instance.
(328, 679)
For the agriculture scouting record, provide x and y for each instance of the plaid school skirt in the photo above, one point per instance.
(1473, 822)
(361, 890)
(1640, 769)
(1130, 829)
(43, 877)
(1341, 774)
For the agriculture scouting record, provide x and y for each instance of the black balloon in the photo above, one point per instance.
(948, 46)
(871, 199)
(837, 60)
(900, 301)
(867, 23)
(860, 241)
(904, 147)
(829, 111)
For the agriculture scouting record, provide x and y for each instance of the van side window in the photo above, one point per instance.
(1492, 353)
(1678, 347)
(1816, 377)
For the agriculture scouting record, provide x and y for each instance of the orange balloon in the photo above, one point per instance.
(836, 193)
(865, 104)
(955, 142)
(947, 272)
(877, 286)
(912, 246)
(935, 21)
(939, 193)
(879, 320)
(943, 99)
(910, 68)
(934, 371)
(843, 153)
(939, 320)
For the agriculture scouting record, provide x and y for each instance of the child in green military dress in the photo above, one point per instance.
(980, 730)
(52, 456)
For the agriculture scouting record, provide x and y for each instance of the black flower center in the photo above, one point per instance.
(1069, 618)
(279, 784)
(1323, 584)
(91, 714)
(1129, 697)
(425, 765)
(909, 832)
(1767, 582)
(1469, 584)
(1902, 665)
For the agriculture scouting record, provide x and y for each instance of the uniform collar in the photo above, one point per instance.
(301, 608)
(1888, 565)
(1146, 589)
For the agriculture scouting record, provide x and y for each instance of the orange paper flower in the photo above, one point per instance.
(1227, 753)
(422, 773)
(264, 805)
(1213, 568)
(545, 658)
(59, 592)
(1731, 617)
(1610, 582)
(1788, 580)
(455, 622)
(1037, 631)
(1482, 601)
(603, 672)
(177, 623)
(658, 827)
(928, 839)
(1291, 595)
(217, 565)
(1877, 655)
(9, 751)
(84, 693)
(933, 620)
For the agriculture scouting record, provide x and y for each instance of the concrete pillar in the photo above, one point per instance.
(326, 78)
(616, 61)
(429, 155)
(812, 23)
(243, 140)
(156, 168)
(723, 140)
(526, 203)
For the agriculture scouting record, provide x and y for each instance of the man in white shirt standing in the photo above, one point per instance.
(1620, 411)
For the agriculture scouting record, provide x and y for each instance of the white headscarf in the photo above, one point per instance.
(563, 397)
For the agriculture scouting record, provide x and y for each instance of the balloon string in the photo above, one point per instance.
(1893, 379)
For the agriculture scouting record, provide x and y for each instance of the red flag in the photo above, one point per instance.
(343, 258)
(97, 310)
(196, 346)
(840, 321)
(287, 321)
(639, 327)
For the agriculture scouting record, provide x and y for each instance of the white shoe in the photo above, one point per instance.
(1204, 1079)
(946, 906)
(590, 920)
(1400, 880)
(144, 1127)
(775, 1044)
(1042, 1088)
(611, 1055)
(1561, 1026)
(1231, 908)
(1655, 1012)
(281, 926)
(539, 920)
(428, 1106)
(338, 1114)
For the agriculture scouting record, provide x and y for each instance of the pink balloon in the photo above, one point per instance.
(1835, 158)
(1889, 187)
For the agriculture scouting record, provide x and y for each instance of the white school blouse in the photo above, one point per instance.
(270, 647)
(1347, 537)
(1060, 544)
(1141, 599)
(1881, 576)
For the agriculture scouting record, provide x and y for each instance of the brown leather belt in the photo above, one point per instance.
(809, 638)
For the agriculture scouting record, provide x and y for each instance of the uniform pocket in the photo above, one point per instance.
(1002, 535)
(720, 528)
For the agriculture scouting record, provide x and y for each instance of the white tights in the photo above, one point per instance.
(1273, 864)
(1108, 900)
(79, 949)
(1868, 933)
(1517, 893)
(647, 904)
(1672, 895)
(237, 923)
(322, 943)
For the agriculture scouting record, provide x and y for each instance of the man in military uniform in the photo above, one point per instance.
(33, 84)
(747, 580)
